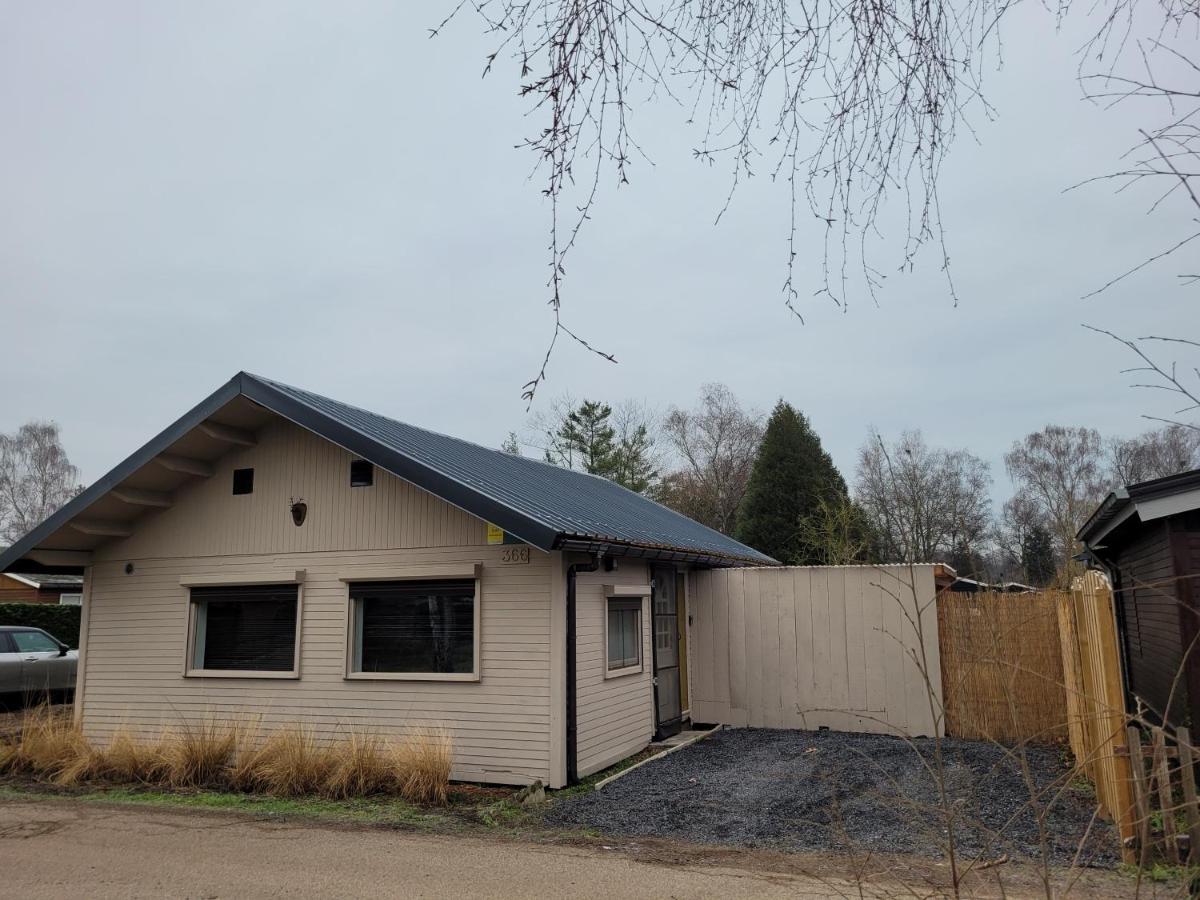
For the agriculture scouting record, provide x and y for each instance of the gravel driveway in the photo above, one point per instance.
(801, 790)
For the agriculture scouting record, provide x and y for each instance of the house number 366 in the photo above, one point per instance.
(515, 555)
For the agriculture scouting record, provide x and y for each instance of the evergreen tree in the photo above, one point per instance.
(632, 465)
(511, 444)
(791, 478)
(588, 439)
(1037, 556)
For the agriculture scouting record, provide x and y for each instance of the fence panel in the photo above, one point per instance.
(846, 647)
(1002, 667)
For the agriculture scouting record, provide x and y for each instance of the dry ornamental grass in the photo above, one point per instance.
(290, 762)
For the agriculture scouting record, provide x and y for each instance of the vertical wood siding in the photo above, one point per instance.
(811, 647)
(137, 623)
(614, 716)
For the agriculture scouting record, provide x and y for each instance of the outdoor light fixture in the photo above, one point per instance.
(299, 511)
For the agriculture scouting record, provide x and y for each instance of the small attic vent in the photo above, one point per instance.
(243, 481)
(362, 473)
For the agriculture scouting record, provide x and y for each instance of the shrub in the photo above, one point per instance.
(51, 746)
(60, 621)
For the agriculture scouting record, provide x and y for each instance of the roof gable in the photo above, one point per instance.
(543, 505)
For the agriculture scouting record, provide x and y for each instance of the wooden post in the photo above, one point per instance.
(1187, 776)
(1166, 802)
(1141, 801)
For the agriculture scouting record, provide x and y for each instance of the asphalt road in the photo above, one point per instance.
(64, 849)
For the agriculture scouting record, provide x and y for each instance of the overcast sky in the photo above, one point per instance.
(322, 194)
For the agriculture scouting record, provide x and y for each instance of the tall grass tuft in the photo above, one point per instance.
(199, 754)
(51, 746)
(360, 765)
(129, 760)
(422, 763)
(290, 763)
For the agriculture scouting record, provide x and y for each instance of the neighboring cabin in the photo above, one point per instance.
(1147, 537)
(66, 590)
(281, 556)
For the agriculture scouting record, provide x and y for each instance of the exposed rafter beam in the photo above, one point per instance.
(61, 558)
(185, 464)
(137, 497)
(227, 434)
(102, 529)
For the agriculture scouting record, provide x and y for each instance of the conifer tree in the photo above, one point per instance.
(791, 484)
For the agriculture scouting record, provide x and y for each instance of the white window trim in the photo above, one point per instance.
(189, 647)
(77, 597)
(620, 596)
(423, 573)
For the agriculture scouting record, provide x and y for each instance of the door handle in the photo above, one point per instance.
(31, 659)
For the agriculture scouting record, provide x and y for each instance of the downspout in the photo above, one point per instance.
(572, 753)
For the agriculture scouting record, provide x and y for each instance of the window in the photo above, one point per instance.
(70, 599)
(34, 642)
(362, 473)
(624, 634)
(243, 481)
(420, 628)
(250, 628)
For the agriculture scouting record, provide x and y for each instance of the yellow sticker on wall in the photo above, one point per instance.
(495, 534)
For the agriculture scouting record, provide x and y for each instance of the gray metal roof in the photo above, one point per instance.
(539, 503)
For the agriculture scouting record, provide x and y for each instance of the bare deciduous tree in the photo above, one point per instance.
(1154, 454)
(922, 501)
(716, 442)
(847, 106)
(36, 478)
(1060, 471)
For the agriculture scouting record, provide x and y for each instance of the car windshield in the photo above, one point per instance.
(33, 642)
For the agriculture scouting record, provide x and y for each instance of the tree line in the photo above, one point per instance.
(768, 481)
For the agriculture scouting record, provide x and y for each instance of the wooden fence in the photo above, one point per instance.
(1002, 666)
(806, 647)
(1096, 698)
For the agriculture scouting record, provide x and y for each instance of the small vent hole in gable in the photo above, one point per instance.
(243, 481)
(362, 473)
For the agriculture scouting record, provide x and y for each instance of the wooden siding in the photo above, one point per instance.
(811, 647)
(614, 716)
(13, 591)
(137, 623)
(1149, 609)
(292, 463)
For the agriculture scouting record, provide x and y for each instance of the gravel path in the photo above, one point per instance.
(800, 790)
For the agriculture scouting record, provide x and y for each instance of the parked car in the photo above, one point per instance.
(34, 663)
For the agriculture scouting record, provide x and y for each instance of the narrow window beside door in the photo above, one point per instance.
(624, 634)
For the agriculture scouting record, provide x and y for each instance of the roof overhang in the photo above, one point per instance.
(1148, 500)
(229, 417)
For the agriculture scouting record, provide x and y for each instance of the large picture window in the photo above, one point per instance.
(417, 628)
(244, 628)
(624, 634)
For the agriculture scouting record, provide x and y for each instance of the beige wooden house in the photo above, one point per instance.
(280, 556)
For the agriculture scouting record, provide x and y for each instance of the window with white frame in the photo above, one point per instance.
(70, 599)
(624, 633)
(245, 628)
(418, 628)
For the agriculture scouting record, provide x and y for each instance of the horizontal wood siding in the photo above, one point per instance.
(615, 716)
(1149, 607)
(805, 647)
(137, 623)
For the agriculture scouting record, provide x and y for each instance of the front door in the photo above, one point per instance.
(668, 710)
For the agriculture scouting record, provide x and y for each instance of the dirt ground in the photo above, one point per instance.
(62, 847)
